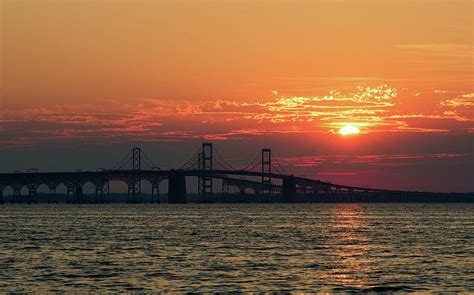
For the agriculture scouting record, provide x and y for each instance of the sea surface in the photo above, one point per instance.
(237, 247)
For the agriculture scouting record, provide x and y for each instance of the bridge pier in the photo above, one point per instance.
(79, 195)
(288, 191)
(1, 195)
(32, 195)
(177, 189)
(76, 192)
(16, 197)
(242, 191)
(51, 199)
(99, 193)
(106, 192)
(70, 191)
(155, 187)
(133, 191)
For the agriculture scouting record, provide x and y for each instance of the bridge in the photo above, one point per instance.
(263, 176)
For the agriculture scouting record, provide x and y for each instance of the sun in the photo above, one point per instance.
(349, 130)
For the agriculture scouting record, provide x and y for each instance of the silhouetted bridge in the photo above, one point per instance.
(264, 176)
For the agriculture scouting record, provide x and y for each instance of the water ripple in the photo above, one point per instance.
(237, 248)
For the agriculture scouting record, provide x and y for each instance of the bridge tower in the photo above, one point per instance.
(266, 170)
(134, 183)
(205, 169)
(136, 159)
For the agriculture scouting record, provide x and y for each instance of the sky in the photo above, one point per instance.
(84, 81)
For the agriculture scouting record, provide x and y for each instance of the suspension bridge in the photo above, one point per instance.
(264, 175)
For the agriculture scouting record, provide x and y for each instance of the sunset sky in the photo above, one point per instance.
(83, 81)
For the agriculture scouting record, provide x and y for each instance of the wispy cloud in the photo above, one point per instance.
(372, 159)
(440, 49)
(465, 100)
(373, 109)
(335, 173)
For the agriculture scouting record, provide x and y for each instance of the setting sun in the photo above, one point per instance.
(349, 130)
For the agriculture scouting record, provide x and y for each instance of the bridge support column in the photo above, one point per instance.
(1, 195)
(16, 197)
(79, 195)
(107, 192)
(32, 196)
(131, 192)
(99, 193)
(288, 191)
(52, 198)
(134, 190)
(177, 189)
(155, 187)
(70, 191)
(242, 191)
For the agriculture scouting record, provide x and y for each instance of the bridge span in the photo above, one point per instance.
(262, 176)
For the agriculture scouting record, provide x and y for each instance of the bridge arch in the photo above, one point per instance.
(87, 186)
(16, 186)
(146, 183)
(250, 190)
(43, 186)
(119, 185)
(60, 188)
(7, 189)
(23, 189)
(150, 188)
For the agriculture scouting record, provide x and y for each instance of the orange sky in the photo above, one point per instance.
(110, 74)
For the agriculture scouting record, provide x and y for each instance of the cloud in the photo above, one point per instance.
(371, 108)
(466, 100)
(440, 49)
(334, 173)
(372, 159)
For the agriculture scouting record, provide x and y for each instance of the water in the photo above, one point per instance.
(237, 247)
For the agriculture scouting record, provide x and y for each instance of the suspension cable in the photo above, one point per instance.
(150, 162)
(255, 162)
(122, 162)
(190, 161)
(229, 166)
(278, 165)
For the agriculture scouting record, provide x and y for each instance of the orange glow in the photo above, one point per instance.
(349, 130)
(304, 78)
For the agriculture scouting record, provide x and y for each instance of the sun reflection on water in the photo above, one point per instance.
(349, 246)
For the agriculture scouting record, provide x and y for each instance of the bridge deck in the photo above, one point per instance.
(97, 177)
